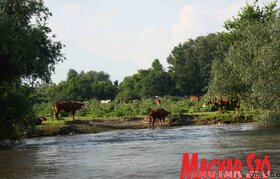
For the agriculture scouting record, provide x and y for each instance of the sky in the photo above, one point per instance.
(122, 36)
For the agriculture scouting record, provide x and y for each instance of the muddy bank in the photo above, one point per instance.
(100, 125)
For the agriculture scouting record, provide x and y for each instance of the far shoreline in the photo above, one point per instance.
(88, 125)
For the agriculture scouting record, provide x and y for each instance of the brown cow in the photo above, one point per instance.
(195, 98)
(67, 107)
(40, 120)
(225, 102)
(160, 114)
(235, 104)
(230, 102)
(158, 100)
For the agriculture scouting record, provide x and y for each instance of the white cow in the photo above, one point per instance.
(105, 101)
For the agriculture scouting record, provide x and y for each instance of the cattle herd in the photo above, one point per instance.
(153, 115)
(222, 102)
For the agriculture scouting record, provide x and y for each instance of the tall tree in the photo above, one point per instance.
(154, 81)
(81, 86)
(249, 14)
(251, 69)
(190, 62)
(27, 54)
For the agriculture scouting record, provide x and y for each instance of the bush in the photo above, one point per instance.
(44, 109)
(270, 118)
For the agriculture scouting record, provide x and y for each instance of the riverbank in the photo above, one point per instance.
(91, 125)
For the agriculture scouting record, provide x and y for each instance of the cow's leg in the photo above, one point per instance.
(73, 114)
(161, 121)
(151, 121)
(56, 113)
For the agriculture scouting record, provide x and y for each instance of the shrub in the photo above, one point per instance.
(270, 118)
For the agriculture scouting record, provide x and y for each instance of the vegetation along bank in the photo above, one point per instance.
(241, 62)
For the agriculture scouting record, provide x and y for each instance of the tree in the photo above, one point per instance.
(249, 14)
(251, 69)
(190, 63)
(72, 74)
(27, 54)
(157, 66)
(80, 87)
(130, 88)
(154, 81)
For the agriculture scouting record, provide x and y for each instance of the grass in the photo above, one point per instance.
(229, 117)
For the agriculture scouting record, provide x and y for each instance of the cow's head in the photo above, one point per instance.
(169, 113)
(41, 119)
(83, 105)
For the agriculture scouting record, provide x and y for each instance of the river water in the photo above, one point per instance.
(146, 153)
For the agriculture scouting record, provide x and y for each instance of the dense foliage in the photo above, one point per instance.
(80, 87)
(27, 54)
(154, 81)
(190, 63)
(252, 63)
(177, 105)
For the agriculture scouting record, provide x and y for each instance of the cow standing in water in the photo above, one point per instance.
(67, 107)
(160, 114)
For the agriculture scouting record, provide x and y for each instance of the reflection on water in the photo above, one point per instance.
(135, 153)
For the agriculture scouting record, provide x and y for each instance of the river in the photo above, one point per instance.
(145, 153)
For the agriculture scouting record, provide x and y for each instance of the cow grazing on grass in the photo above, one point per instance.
(160, 114)
(195, 98)
(232, 103)
(222, 102)
(235, 104)
(105, 101)
(67, 107)
(158, 100)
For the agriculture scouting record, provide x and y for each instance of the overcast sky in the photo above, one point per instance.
(123, 36)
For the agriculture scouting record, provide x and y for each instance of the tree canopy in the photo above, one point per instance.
(252, 63)
(190, 63)
(28, 53)
(79, 87)
(154, 81)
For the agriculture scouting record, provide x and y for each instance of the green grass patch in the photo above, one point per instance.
(229, 117)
